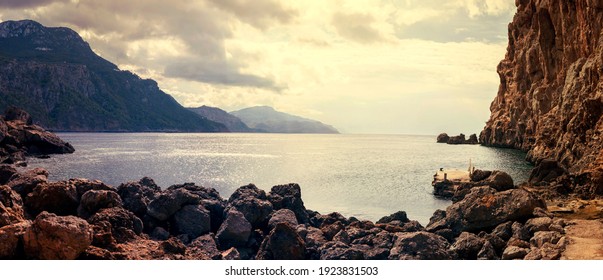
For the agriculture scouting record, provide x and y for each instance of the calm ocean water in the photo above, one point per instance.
(366, 176)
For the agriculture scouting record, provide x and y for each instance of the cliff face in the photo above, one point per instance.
(54, 74)
(550, 99)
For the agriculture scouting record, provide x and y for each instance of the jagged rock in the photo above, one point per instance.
(487, 252)
(60, 198)
(169, 202)
(343, 237)
(514, 252)
(339, 251)
(331, 218)
(192, 220)
(173, 246)
(497, 243)
(235, 230)
(468, 245)
(205, 245)
(136, 196)
(282, 216)
(253, 203)
(6, 172)
(11, 207)
(121, 224)
(472, 140)
(398, 216)
(57, 237)
(289, 197)
(94, 200)
(84, 185)
(24, 183)
(331, 230)
(209, 198)
(420, 246)
(283, 243)
(485, 208)
(11, 240)
(520, 231)
(314, 238)
(538, 224)
(499, 180)
(443, 138)
(96, 253)
(504, 231)
(542, 237)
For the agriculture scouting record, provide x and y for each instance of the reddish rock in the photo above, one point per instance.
(282, 216)
(235, 230)
(11, 240)
(420, 246)
(253, 204)
(94, 200)
(55, 237)
(11, 207)
(60, 198)
(283, 243)
(122, 224)
(24, 182)
(289, 197)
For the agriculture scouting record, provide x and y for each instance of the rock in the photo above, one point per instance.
(314, 238)
(331, 230)
(513, 253)
(59, 198)
(169, 202)
(338, 251)
(479, 175)
(520, 231)
(11, 207)
(487, 252)
(504, 231)
(84, 185)
(332, 218)
(420, 246)
(11, 240)
(123, 225)
(24, 183)
(94, 200)
(343, 237)
(192, 220)
(231, 254)
(472, 140)
(136, 196)
(17, 114)
(468, 245)
(289, 197)
(538, 224)
(160, 233)
(398, 216)
(283, 243)
(443, 138)
(55, 237)
(96, 253)
(282, 216)
(542, 237)
(546, 170)
(253, 204)
(6, 173)
(455, 140)
(497, 243)
(499, 181)
(205, 245)
(39, 141)
(235, 230)
(173, 246)
(518, 243)
(485, 208)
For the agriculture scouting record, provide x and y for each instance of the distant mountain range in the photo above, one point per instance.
(267, 119)
(231, 122)
(53, 74)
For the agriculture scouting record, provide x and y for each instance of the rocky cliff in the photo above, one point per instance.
(54, 74)
(550, 100)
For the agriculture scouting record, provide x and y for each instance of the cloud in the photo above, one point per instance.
(357, 27)
(15, 4)
(259, 13)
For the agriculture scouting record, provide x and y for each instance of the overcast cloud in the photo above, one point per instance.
(364, 66)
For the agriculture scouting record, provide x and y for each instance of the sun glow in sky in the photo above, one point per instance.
(363, 66)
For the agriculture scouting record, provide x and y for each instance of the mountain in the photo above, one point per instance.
(54, 74)
(232, 123)
(550, 99)
(270, 120)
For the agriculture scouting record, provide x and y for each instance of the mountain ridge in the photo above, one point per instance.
(268, 119)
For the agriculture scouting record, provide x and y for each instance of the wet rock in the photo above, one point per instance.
(122, 224)
(398, 216)
(339, 251)
(60, 198)
(253, 204)
(514, 253)
(485, 208)
(136, 196)
(420, 246)
(282, 216)
(542, 237)
(235, 230)
(468, 245)
(11, 207)
(11, 240)
(173, 246)
(94, 200)
(443, 138)
(289, 197)
(192, 220)
(538, 224)
(169, 202)
(57, 237)
(283, 243)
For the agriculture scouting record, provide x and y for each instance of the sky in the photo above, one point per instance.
(363, 66)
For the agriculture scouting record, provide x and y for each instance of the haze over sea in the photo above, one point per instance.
(365, 176)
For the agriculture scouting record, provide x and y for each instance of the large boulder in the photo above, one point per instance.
(420, 246)
(94, 200)
(11, 240)
(289, 197)
(209, 198)
(116, 224)
(192, 220)
(169, 202)
(204, 247)
(59, 197)
(11, 207)
(57, 237)
(283, 243)
(499, 180)
(84, 185)
(24, 182)
(39, 141)
(253, 204)
(484, 208)
(399, 216)
(136, 196)
(282, 216)
(443, 138)
(234, 231)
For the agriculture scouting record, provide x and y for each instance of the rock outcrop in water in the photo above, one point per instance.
(550, 99)
(457, 140)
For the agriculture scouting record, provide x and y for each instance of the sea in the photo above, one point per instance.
(364, 176)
